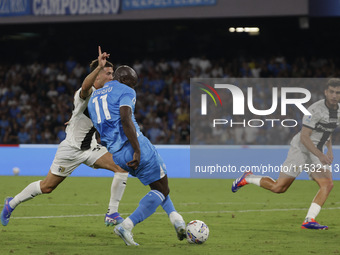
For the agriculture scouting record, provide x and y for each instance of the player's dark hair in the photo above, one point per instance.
(94, 64)
(333, 82)
(126, 75)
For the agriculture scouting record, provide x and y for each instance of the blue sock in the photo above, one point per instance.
(147, 206)
(167, 205)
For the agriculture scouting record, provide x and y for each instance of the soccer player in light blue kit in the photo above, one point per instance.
(111, 110)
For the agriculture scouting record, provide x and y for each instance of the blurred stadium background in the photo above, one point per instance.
(47, 45)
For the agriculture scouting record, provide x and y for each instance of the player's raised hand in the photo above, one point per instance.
(102, 57)
(325, 160)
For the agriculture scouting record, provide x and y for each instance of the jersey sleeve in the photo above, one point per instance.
(128, 99)
(311, 120)
(79, 102)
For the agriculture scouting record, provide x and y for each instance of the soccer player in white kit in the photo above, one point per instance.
(307, 153)
(80, 146)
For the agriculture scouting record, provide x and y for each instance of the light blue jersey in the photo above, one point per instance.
(104, 110)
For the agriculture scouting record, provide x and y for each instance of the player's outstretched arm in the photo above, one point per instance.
(308, 143)
(86, 87)
(330, 149)
(130, 132)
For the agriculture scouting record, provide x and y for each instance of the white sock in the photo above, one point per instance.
(117, 191)
(313, 211)
(128, 224)
(254, 179)
(27, 193)
(175, 216)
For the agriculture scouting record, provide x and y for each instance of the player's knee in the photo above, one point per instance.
(46, 189)
(327, 185)
(162, 186)
(331, 185)
(279, 189)
(166, 192)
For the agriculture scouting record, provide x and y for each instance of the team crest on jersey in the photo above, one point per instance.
(61, 169)
(134, 100)
(333, 120)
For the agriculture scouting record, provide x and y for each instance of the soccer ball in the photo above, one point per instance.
(197, 232)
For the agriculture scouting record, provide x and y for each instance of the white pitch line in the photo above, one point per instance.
(185, 204)
(76, 205)
(192, 212)
(60, 216)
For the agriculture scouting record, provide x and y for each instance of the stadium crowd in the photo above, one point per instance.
(36, 100)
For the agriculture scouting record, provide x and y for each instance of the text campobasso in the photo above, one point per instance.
(74, 7)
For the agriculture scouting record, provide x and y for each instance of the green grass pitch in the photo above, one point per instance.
(252, 221)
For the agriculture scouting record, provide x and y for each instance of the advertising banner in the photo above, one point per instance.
(151, 4)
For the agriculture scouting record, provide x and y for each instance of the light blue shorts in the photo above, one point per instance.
(151, 167)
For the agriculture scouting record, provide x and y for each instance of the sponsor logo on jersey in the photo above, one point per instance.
(333, 120)
(308, 119)
(320, 127)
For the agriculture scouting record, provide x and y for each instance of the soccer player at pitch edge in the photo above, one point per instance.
(80, 146)
(111, 110)
(306, 152)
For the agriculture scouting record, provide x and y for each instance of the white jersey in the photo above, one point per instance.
(80, 132)
(323, 122)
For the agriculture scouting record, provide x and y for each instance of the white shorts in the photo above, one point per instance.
(298, 160)
(69, 158)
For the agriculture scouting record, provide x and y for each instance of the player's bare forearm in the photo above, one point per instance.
(308, 143)
(130, 132)
(129, 128)
(86, 87)
(330, 149)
